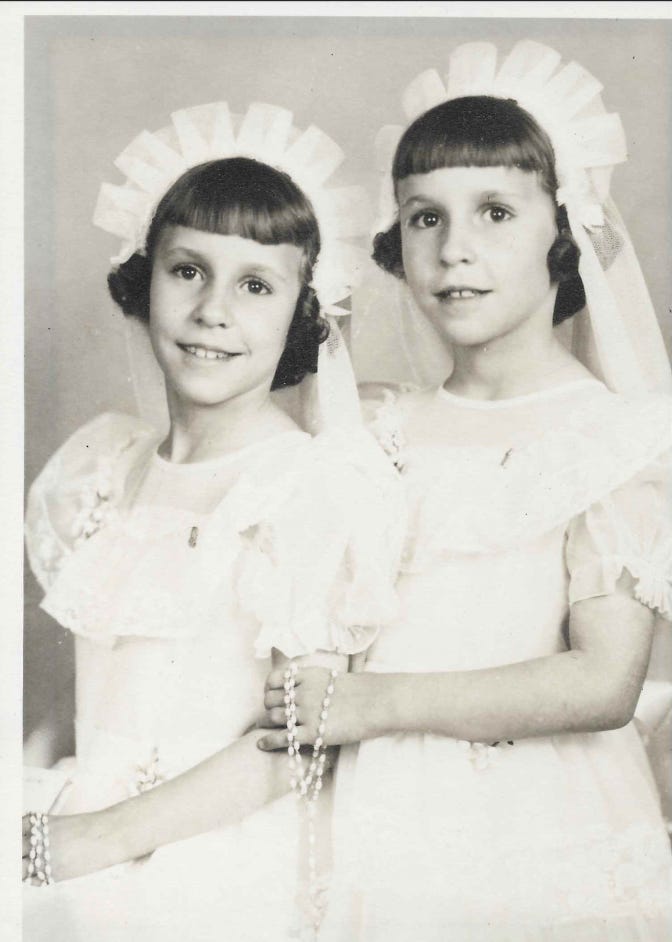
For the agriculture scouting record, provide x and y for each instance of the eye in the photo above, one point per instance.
(256, 286)
(425, 219)
(186, 272)
(498, 213)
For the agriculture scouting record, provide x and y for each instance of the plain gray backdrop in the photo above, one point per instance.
(92, 83)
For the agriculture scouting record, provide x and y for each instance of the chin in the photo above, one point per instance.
(202, 394)
(465, 335)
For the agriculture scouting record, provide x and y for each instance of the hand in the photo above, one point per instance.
(345, 720)
(78, 844)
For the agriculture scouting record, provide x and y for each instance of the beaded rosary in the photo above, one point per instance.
(39, 858)
(308, 785)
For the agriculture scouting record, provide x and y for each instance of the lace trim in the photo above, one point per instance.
(106, 589)
(652, 578)
(539, 487)
(98, 498)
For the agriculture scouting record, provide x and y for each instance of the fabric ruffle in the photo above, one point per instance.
(306, 542)
(318, 570)
(545, 484)
(80, 489)
(630, 530)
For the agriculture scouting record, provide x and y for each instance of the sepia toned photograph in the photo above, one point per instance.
(348, 478)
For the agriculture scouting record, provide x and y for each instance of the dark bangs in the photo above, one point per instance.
(476, 131)
(243, 197)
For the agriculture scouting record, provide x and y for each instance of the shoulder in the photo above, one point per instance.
(625, 432)
(80, 486)
(611, 450)
(106, 446)
(96, 458)
(108, 433)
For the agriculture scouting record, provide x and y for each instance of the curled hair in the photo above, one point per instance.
(563, 266)
(481, 131)
(243, 197)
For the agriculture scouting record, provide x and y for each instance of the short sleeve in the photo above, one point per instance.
(319, 570)
(77, 491)
(630, 529)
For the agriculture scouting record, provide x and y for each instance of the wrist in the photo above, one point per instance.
(111, 831)
(373, 704)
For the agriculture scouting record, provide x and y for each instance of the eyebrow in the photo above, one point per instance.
(184, 250)
(417, 199)
(268, 270)
(501, 194)
(252, 267)
(487, 195)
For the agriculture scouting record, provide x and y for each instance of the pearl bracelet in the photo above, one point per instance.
(308, 785)
(39, 857)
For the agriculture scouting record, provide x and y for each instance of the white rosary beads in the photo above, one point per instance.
(307, 786)
(39, 857)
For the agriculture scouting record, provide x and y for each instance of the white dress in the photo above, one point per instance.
(517, 508)
(177, 581)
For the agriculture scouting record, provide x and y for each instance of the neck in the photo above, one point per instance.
(203, 433)
(527, 359)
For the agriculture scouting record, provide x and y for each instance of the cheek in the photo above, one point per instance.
(268, 329)
(415, 257)
(528, 255)
(159, 305)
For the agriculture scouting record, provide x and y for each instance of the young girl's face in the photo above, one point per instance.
(474, 243)
(219, 311)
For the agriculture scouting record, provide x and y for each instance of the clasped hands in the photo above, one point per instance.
(345, 723)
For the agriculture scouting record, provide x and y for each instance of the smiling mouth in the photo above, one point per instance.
(459, 294)
(207, 353)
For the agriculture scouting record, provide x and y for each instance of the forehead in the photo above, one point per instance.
(449, 184)
(230, 250)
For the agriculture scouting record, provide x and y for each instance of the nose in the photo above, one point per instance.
(457, 245)
(214, 307)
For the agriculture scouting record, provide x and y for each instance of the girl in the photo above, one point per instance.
(500, 791)
(181, 562)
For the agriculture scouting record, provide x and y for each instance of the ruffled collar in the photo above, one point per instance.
(483, 499)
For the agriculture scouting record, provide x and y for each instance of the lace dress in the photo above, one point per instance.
(177, 581)
(517, 508)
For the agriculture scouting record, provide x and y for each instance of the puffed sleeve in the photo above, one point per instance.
(630, 529)
(320, 568)
(77, 490)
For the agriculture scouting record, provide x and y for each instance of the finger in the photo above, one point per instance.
(25, 845)
(274, 698)
(25, 825)
(264, 722)
(276, 679)
(277, 739)
(277, 716)
(271, 742)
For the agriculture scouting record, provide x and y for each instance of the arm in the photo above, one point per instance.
(593, 686)
(220, 791)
